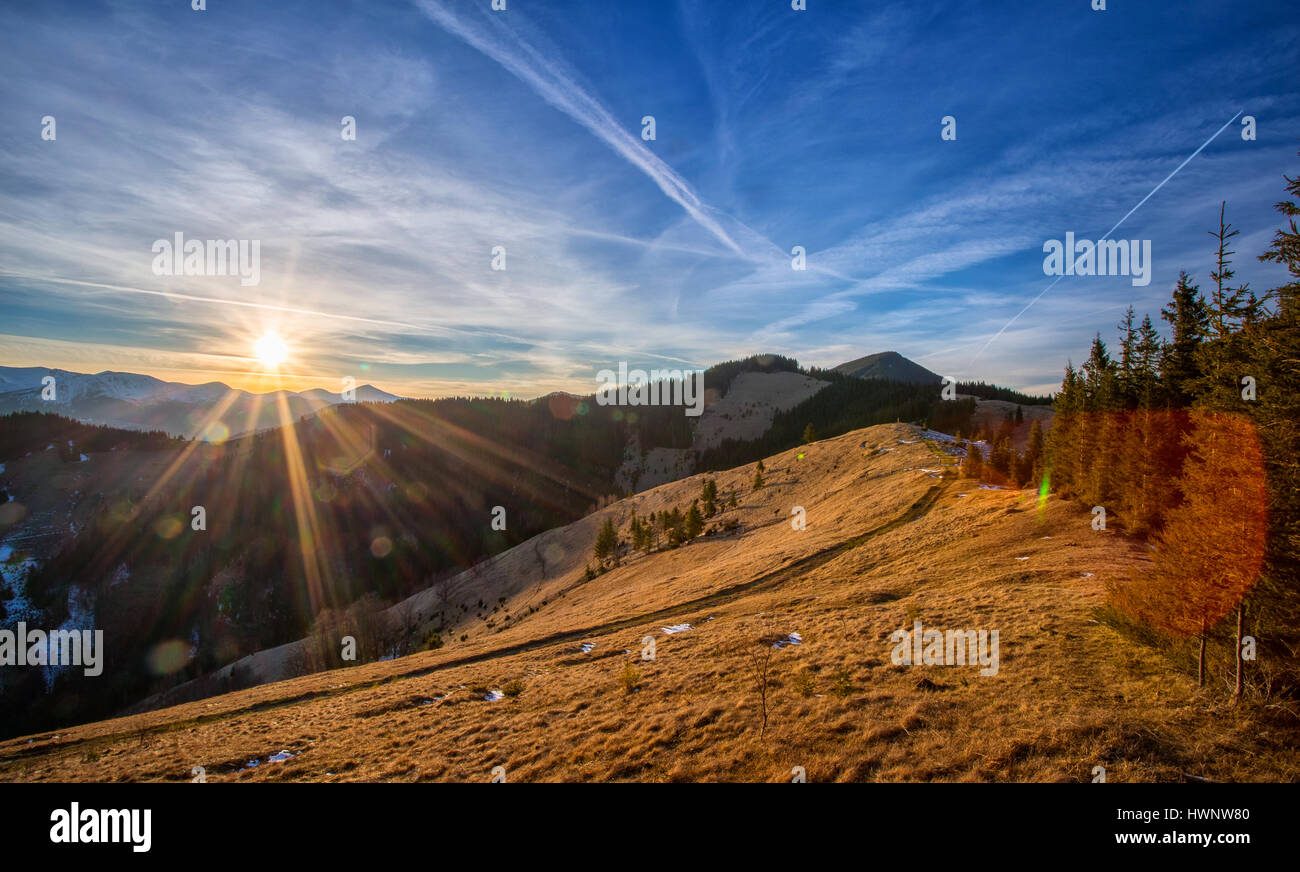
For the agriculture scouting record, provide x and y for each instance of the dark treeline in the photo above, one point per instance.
(993, 392)
(720, 376)
(21, 432)
(1194, 442)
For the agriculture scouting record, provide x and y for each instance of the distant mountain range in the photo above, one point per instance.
(142, 402)
(889, 365)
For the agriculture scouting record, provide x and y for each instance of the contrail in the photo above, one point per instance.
(1106, 235)
(555, 87)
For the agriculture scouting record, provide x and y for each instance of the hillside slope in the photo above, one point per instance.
(891, 539)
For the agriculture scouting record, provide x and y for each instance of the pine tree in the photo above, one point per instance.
(635, 532)
(676, 527)
(607, 543)
(809, 434)
(1100, 425)
(1186, 314)
(1227, 306)
(694, 523)
(1029, 467)
(758, 476)
(1064, 440)
(1222, 358)
(1000, 457)
(1146, 377)
(972, 466)
(1127, 371)
(709, 495)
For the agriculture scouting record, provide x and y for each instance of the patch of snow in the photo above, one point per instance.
(792, 639)
(1022, 558)
(279, 757)
(494, 695)
(677, 628)
(81, 616)
(14, 572)
(586, 647)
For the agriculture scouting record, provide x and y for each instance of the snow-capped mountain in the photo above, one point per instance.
(142, 402)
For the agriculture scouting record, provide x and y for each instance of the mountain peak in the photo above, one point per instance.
(888, 365)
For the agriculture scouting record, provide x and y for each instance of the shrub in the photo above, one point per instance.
(629, 677)
(805, 683)
(841, 682)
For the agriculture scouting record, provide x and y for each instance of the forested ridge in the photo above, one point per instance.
(1194, 443)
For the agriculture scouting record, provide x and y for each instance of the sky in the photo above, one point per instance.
(522, 130)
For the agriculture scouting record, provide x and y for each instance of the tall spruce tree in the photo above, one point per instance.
(1189, 323)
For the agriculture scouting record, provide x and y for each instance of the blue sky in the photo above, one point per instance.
(521, 129)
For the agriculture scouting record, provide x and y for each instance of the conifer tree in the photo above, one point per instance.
(676, 527)
(607, 543)
(1146, 378)
(709, 494)
(694, 523)
(1064, 439)
(1127, 371)
(1186, 315)
(1222, 358)
(1029, 467)
(972, 466)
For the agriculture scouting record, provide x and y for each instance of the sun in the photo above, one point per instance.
(270, 350)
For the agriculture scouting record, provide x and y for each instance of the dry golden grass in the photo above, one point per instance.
(886, 543)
